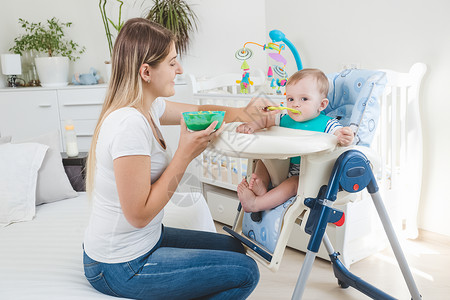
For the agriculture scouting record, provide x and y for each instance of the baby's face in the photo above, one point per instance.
(304, 96)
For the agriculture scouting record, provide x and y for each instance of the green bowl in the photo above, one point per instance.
(200, 120)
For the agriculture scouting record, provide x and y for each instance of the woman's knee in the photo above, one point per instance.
(251, 270)
(254, 271)
(249, 276)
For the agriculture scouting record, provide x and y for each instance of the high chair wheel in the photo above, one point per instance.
(342, 284)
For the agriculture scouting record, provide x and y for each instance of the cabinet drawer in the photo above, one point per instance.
(85, 130)
(81, 104)
(82, 127)
(25, 113)
(84, 143)
(83, 96)
(223, 204)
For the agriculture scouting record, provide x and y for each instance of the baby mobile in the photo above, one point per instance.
(276, 83)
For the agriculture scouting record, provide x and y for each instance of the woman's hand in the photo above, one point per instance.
(191, 144)
(256, 109)
(345, 136)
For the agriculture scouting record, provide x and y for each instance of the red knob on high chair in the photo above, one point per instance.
(341, 221)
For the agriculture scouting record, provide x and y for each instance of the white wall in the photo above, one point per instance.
(390, 35)
(86, 30)
(224, 26)
(327, 33)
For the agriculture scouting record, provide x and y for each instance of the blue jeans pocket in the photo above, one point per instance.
(93, 270)
(100, 284)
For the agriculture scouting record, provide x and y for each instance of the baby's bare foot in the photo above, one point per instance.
(246, 196)
(257, 186)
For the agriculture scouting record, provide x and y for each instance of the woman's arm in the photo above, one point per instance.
(141, 200)
(252, 112)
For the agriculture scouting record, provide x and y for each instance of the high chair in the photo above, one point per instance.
(329, 175)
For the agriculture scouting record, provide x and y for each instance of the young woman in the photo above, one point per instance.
(127, 251)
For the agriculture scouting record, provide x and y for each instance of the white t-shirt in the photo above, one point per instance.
(109, 238)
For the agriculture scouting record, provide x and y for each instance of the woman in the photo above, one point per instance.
(128, 253)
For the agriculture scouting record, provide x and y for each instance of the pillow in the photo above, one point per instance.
(188, 211)
(52, 183)
(18, 176)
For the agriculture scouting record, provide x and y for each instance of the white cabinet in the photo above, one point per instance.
(25, 114)
(83, 107)
(30, 112)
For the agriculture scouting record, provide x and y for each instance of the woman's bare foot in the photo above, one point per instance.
(246, 196)
(257, 186)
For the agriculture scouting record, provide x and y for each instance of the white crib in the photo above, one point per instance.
(398, 142)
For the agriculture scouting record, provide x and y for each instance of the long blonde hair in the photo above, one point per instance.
(139, 41)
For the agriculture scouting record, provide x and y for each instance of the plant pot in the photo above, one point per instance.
(53, 71)
(108, 68)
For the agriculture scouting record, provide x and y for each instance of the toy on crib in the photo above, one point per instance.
(245, 53)
(278, 36)
(245, 82)
(86, 79)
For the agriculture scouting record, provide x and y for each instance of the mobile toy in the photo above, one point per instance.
(279, 68)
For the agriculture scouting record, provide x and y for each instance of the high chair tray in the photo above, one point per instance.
(272, 143)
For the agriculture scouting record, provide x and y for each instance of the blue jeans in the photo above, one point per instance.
(185, 264)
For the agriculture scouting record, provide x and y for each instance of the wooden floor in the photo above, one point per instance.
(428, 258)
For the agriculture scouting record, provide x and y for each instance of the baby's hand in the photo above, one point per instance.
(345, 136)
(246, 128)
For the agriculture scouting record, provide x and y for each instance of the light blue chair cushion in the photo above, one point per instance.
(267, 231)
(354, 96)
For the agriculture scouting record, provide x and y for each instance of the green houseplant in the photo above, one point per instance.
(178, 17)
(48, 41)
(108, 21)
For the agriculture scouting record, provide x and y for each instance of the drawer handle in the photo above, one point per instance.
(221, 209)
(83, 104)
(45, 105)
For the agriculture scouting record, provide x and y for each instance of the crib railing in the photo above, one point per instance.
(398, 142)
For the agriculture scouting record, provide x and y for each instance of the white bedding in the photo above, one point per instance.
(42, 258)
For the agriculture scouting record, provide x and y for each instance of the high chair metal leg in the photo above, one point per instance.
(352, 173)
(396, 248)
(304, 274)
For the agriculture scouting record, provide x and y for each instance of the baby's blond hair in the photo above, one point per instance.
(321, 78)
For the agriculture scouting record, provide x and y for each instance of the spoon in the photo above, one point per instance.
(281, 108)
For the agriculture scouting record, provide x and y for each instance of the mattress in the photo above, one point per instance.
(42, 258)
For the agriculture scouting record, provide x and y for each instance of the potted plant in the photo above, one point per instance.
(109, 35)
(107, 21)
(178, 17)
(54, 49)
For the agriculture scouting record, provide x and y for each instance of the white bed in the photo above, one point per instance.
(42, 258)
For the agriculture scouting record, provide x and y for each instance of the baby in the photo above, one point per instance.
(306, 91)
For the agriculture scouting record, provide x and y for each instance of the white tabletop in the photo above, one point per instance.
(275, 142)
